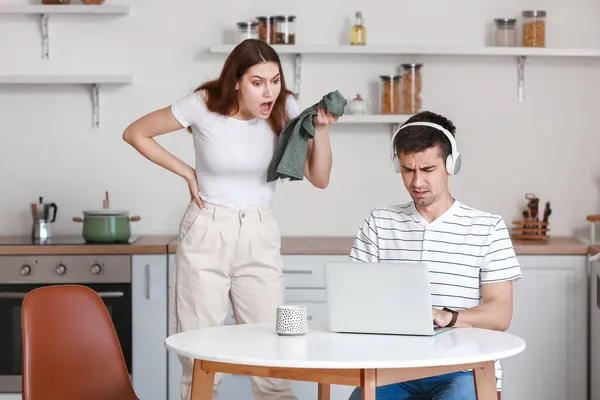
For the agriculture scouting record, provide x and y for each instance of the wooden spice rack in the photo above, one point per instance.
(530, 230)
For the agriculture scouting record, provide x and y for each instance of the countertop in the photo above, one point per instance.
(144, 245)
(341, 245)
(323, 245)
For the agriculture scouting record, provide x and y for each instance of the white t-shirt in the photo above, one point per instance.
(464, 248)
(232, 155)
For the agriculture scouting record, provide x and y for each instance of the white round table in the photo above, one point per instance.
(339, 358)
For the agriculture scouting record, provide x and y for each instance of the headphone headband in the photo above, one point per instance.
(454, 160)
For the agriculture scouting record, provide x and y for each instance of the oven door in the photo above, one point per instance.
(116, 297)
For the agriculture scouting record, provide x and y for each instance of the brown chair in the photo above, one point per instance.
(70, 347)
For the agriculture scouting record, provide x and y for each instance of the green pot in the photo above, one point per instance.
(106, 226)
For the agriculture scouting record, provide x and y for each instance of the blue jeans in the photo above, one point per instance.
(454, 386)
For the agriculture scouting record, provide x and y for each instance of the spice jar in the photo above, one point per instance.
(390, 94)
(266, 29)
(505, 32)
(534, 28)
(285, 29)
(247, 30)
(411, 88)
(56, 1)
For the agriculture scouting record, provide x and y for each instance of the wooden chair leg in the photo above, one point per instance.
(324, 391)
(202, 382)
(485, 382)
(368, 384)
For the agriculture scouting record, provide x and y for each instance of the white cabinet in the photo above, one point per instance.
(149, 326)
(550, 313)
(594, 305)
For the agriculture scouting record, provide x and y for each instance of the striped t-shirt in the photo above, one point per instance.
(464, 248)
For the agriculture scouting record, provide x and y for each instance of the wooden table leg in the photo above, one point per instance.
(368, 384)
(324, 391)
(202, 382)
(485, 382)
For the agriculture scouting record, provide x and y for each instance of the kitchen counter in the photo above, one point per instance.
(143, 245)
(341, 245)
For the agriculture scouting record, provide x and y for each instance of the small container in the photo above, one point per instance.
(411, 88)
(285, 29)
(358, 106)
(358, 32)
(534, 28)
(505, 32)
(266, 28)
(247, 30)
(390, 94)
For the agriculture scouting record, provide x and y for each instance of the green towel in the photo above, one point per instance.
(290, 154)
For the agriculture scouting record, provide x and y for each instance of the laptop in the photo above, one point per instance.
(379, 298)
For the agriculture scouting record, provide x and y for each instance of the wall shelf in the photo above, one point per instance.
(94, 81)
(44, 12)
(519, 53)
(394, 120)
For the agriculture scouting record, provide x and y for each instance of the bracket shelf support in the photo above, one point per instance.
(521, 78)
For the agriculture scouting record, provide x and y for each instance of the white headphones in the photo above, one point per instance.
(453, 161)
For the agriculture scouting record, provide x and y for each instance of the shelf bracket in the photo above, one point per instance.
(393, 128)
(521, 77)
(297, 74)
(95, 105)
(45, 36)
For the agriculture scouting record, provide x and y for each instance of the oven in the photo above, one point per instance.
(108, 275)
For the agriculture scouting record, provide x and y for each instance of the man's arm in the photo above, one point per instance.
(495, 312)
(365, 247)
(500, 268)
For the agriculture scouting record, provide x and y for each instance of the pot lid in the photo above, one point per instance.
(105, 213)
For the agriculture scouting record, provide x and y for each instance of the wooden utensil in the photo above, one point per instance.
(106, 201)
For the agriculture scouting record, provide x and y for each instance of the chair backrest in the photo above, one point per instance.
(70, 347)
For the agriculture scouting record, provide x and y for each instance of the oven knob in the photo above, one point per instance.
(96, 269)
(25, 270)
(61, 269)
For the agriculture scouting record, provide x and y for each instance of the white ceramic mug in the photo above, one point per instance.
(291, 320)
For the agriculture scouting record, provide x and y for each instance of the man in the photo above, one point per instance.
(470, 254)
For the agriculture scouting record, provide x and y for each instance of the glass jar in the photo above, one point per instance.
(411, 88)
(505, 32)
(285, 29)
(266, 29)
(390, 94)
(247, 30)
(534, 28)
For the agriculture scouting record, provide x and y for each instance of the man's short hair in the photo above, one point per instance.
(415, 139)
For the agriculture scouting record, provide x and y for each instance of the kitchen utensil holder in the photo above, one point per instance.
(530, 230)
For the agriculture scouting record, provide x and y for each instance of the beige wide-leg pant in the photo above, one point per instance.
(228, 254)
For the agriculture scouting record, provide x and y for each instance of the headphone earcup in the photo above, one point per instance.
(450, 164)
(396, 161)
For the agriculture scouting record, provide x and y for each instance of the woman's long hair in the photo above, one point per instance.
(221, 96)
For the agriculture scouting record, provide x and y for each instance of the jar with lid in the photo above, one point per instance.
(266, 28)
(411, 88)
(285, 29)
(247, 30)
(390, 94)
(505, 32)
(534, 28)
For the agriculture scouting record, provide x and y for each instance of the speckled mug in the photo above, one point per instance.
(291, 320)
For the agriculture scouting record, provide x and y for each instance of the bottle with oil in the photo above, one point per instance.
(358, 33)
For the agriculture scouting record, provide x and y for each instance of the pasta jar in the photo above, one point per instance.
(505, 32)
(266, 29)
(534, 28)
(411, 88)
(390, 94)
(285, 29)
(247, 30)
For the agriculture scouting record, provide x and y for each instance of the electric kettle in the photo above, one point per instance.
(43, 214)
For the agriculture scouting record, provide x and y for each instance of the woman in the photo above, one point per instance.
(229, 240)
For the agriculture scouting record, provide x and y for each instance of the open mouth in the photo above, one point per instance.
(265, 108)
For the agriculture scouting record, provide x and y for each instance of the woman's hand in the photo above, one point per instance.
(324, 118)
(192, 182)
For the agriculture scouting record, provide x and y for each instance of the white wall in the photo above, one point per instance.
(547, 145)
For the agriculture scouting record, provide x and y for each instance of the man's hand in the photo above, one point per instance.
(440, 317)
